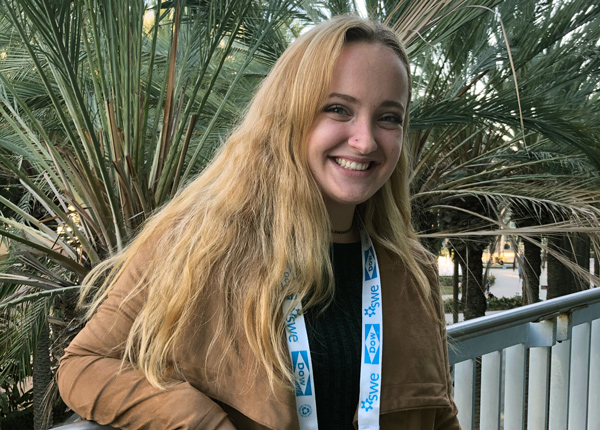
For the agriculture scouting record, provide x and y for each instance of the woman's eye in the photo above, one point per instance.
(337, 109)
(392, 118)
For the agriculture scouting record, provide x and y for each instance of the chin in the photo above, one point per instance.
(351, 201)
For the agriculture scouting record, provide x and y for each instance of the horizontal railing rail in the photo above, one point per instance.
(76, 424)
(538, 364)
(530, 313)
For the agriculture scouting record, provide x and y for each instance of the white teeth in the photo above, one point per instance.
(351, 165)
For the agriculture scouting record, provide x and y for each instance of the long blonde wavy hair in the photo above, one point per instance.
(253, 212)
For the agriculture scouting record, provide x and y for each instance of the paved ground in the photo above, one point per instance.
(507, 282)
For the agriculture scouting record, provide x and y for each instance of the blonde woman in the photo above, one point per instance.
(284, 288)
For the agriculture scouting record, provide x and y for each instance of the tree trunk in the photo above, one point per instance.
(531, 271)
(473, 297)
(455, 289)
(581, 245)
(42, 376)
(560, 279)
(596, 266)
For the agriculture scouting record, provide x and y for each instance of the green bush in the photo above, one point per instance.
(17, 420)
(500, 303)
(493, 304)
(445, 281)
(448, 306)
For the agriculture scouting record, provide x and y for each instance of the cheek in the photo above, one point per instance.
(393, 151)
(392, 158)
(322, 138)
(312, 152)
(311, 148)
(397, 149)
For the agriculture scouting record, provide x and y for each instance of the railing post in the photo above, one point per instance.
(489, 415)
(514, 383)
(559, 385)
(463, 392)
(594, 394)
(578, 386)
(538, 388)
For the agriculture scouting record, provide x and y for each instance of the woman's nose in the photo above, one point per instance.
(363, 138)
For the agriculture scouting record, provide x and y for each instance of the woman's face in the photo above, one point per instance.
(354, 143)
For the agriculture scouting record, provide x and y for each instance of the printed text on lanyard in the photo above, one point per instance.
(371, 358)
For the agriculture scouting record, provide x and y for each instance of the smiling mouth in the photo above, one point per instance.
(351, 165)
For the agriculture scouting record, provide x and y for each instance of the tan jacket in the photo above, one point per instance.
(416, 384)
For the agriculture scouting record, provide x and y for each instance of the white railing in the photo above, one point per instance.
(540, 365)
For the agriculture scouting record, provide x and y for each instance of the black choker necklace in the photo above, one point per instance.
(343, 231)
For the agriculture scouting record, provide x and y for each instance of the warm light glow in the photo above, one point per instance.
(74, 215)
(148, 20)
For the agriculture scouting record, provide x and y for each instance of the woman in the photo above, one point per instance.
(244, 303)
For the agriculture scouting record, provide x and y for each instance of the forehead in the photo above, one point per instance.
(372, 71)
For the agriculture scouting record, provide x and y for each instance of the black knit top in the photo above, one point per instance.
(334, 337)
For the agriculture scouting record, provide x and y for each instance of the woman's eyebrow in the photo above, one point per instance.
(385, 103)
(393, 104)
(345, 97)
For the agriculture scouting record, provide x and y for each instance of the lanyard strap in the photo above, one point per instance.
(372, 335)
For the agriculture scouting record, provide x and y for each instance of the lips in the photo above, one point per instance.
(351, 165)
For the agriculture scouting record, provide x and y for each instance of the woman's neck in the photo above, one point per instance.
(350, 237)
(343, 225)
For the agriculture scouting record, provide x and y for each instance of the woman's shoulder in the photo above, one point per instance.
(424, 260)
(398, 278)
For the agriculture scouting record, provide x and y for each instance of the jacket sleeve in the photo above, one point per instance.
(93, 382)
(446, 418)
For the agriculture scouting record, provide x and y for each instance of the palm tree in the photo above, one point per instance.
(538, 149)
(107, 109)
(531, 263)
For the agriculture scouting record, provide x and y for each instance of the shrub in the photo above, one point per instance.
(493, 304)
